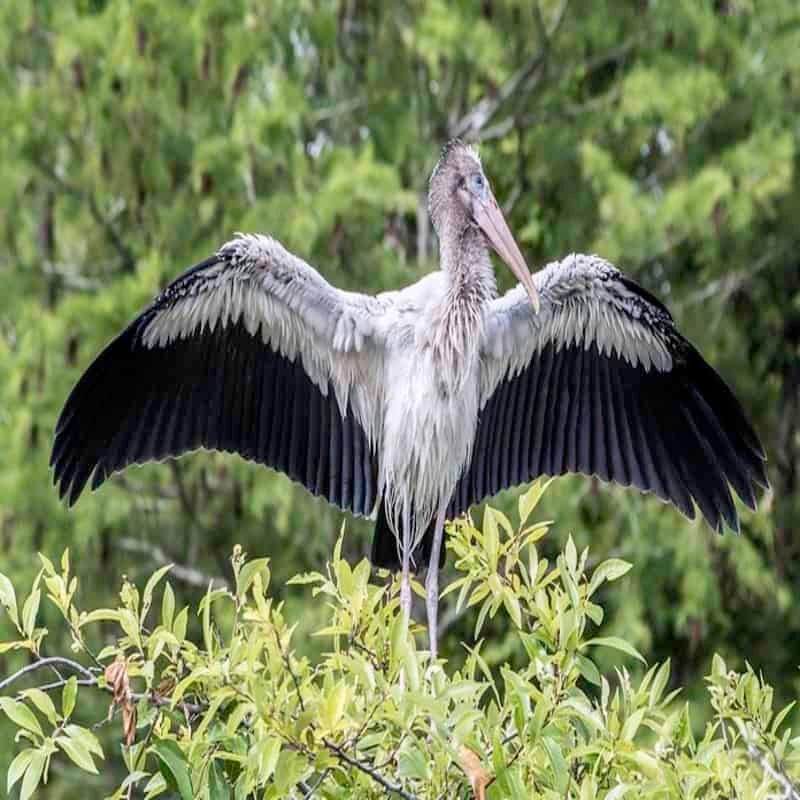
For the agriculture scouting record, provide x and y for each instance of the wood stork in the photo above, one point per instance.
(416, 404)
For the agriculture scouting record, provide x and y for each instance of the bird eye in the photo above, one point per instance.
(478, 184)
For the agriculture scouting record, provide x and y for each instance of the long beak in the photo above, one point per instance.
(491, 221)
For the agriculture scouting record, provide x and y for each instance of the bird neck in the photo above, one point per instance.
(456, 328)
(465, 260)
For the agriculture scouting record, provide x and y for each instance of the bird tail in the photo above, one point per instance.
(385, 552)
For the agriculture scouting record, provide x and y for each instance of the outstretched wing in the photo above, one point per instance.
(601, 382)
(250, 352)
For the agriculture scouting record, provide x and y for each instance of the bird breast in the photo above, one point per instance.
(430, 417)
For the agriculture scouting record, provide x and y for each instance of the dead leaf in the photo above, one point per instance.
(117, 678)
(479, 778)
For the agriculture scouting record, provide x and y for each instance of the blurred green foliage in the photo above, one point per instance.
(139, 135)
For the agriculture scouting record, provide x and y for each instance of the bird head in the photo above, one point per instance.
(460, 198)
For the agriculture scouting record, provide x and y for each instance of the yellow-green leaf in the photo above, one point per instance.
(530, 499)
(68, 695)
(18, 767)
(617, 644)
(33, 774)
(248, 572)
(43, 702)
(152, 582)
(77, 753)
(174, 767)
(30, 610)
(167, 606)
(99, 615)
(8, 599)
(20, 715)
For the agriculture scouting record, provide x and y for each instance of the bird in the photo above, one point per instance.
(411, 406)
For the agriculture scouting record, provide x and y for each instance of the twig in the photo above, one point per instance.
(49, 662)
(292, 673)
(309, 790)
(394, 788)
(91, 679)
(790, 791)
(473, 122)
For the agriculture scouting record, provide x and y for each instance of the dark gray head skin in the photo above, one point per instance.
(455, 181)
(460, 202)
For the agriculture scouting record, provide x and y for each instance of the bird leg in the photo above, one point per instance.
(405, 585)
(405, 561)
(432, 585)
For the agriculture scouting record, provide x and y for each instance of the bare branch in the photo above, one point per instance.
(43, 663)
(393, 788)
(790, 791)
(476, 119)
(89, 678)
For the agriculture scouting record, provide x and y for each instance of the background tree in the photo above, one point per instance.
(137, 136)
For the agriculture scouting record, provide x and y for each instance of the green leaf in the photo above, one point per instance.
(87, 739)
(33, 774)
(559, 765)
(167, 606)
(18, 767)
(529, 500)
(781, 716)
(100, 615)
(398, 639)
(77, 753)
(512, 605)
(43, 702)
(8, 599)
(218, 788)
(588, 669)
(180, 624)
(5, 647)
(333, 707)
(571, 556)
(29, 612)
(147, 595)
(269, 750)
(413, 763)
(616, 643)
(609, 570)
(173, 767)
(491, 537)
(21, 715)
(247, 573)
(659, 683)
(68, 696)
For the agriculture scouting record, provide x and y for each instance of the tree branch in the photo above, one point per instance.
(50, 662)
(476, 119)
(790, 791)
(90, 678)
(393, 788)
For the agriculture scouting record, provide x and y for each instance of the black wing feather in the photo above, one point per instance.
(222, 390)
(680, 434)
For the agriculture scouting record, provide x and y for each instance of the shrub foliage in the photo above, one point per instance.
(215, 703)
